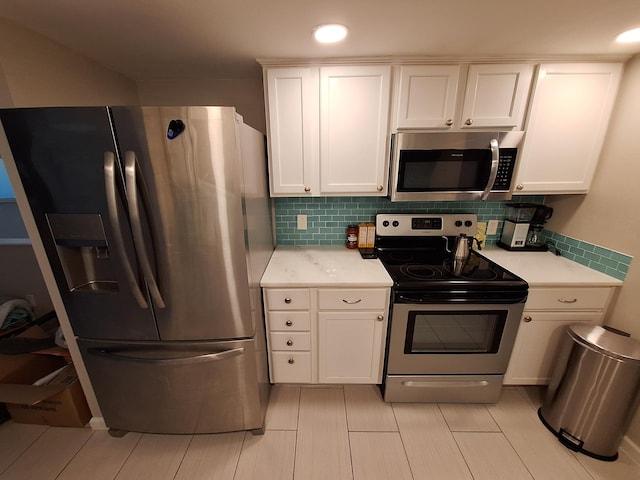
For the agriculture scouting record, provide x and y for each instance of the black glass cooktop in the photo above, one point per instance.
(428, 269)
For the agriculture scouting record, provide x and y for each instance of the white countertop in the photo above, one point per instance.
(547, 269)
(323, 266)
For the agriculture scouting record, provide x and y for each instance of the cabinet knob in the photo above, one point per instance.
(527, 319)
(380, 188)
(468, 121)
(289, 342)
(380, 318)
(291, 361)
(307, 189)
(519, 187)
(288, 323)
(287, 300)
(449, 122)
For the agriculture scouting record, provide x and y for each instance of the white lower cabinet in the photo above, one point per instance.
(349, 347)
(547, 314)
(336, 337)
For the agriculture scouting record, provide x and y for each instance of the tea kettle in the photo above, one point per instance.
(462, 247)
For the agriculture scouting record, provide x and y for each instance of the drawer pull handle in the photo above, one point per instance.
(350, 302)
(563, 300)
(289, 342)
(288, 323)
(287, 300)
(527, 319)
(380, 318)
(291, 361)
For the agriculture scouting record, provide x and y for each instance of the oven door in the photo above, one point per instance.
(452, 339)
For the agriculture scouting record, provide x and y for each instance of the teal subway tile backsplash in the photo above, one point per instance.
(328, 217)
(593, 256)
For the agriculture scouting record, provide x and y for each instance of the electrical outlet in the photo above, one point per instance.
(492, 227)
(302, 222)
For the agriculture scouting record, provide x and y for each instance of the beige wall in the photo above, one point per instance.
(39, 72)
(246, 94)
(608, 215)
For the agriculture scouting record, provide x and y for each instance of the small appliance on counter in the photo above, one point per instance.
(523, 225)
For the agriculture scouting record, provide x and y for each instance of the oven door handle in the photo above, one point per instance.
(405, 299)
(495, 163)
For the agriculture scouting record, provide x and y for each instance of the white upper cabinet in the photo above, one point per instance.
(496, 96)
(292, 127)
(327, 129)
(427, 96)
(354, 119)
(566, 126)
(493, 96)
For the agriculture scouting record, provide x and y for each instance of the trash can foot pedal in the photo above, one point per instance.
(572, 442)
(569, 441)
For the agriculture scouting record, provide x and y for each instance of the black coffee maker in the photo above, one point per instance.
(523, 225)
(540, 217)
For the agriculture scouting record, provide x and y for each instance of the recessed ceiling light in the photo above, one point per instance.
(629, 36)
(330, 33)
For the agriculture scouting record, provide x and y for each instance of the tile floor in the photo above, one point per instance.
(328, 433)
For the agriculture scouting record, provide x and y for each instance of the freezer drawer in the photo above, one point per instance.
(177, 387)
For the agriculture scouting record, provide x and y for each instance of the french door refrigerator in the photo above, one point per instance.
(156, 223)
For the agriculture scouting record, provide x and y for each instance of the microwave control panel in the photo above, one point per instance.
(505, 168)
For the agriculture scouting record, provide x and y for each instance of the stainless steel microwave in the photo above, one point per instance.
(453, 165)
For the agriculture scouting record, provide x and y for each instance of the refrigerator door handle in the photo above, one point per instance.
(205, 357)
(110, 188)
(130, 169)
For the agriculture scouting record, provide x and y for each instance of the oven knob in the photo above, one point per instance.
(458, 223)
(468, 223)
(396, 223)
(385, 223)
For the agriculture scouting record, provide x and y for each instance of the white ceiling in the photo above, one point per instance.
(163, 39)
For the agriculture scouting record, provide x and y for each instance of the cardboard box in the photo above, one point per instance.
(26, 368)
(371, 235)
(60, 402)
(362, 235)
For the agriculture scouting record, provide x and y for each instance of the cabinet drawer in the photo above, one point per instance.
(287, 298)
(290, 341)
(352, 299)
(568, 298)
(291, 367)
(289, 321)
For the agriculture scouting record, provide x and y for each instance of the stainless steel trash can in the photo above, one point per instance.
(594, 390)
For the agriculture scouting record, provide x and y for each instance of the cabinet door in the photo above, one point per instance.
(350, 347)
(427, 96)
(354, 113)
(535, 347)
(566, 126)
(496, 96)
(292, 108)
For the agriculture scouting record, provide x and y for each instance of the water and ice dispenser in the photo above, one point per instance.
(83, 251)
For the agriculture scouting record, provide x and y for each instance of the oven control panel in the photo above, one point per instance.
(409, 224)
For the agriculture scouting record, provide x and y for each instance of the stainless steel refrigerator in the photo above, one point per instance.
(156, 223)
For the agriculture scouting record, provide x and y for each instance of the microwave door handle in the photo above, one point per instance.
(114, 219)
(131, 182)
(495, 162)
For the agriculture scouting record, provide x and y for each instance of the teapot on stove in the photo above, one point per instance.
(462, 247)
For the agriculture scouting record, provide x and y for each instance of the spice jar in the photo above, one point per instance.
(352, 236)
